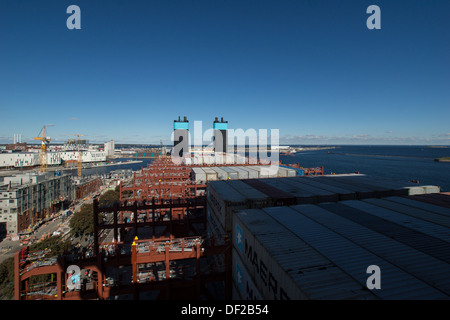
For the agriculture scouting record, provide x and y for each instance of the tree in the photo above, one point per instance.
(55, 244)
(82, 221)
(109, 198)
(57, 247)
(7, 279)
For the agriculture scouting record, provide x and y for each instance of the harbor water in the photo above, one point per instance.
(403, 163)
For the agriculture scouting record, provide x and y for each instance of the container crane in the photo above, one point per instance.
(44, 142)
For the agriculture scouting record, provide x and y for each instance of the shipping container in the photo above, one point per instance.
(400, 225)
(362, 191)
(412, 188)
(411, 274)
(302, 196)
(252, 173)
(199, 175)
(321, 194)
(223, 200)
(278, 197)
(285, 267)
(286, 172)
(411, 211)
(381, 189)
(261, 174)
(214, 227)
(255, 198)
(211, 175)
(242, 281)
(221, 174)
(232, 173)
(422, 205)
(343, 193)
(242, 174)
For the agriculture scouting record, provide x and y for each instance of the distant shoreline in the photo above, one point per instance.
(8, 172)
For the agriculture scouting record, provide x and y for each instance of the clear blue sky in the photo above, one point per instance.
(309, 68)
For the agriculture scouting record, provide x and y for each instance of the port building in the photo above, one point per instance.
(26, 200)
(54, 158)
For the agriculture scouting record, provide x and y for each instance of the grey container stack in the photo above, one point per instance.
(323, 251)
(283, 266)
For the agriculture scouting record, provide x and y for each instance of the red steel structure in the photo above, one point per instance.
(153, 241)
(176, 263)
(161, 179)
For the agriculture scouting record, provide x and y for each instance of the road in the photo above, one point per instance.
(8, 247)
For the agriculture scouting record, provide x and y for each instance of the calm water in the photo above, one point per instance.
(403, 163)
(104, 170)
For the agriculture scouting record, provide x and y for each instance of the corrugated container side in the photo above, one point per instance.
(222, 175)
(235, 293)
(432, 189)
(252, 173)
(260, 174)
(415, 190)
(268, 171)
(199, 175)
(223, 201)
(243, 282)
(271, 280)
(243, 174)
(279, 261)
(214, 226)
(286, 172)
(232, 173)
(211, 175)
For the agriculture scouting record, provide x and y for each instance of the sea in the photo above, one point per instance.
(401, 163)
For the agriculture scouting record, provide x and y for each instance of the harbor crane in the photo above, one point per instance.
(44, 142)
